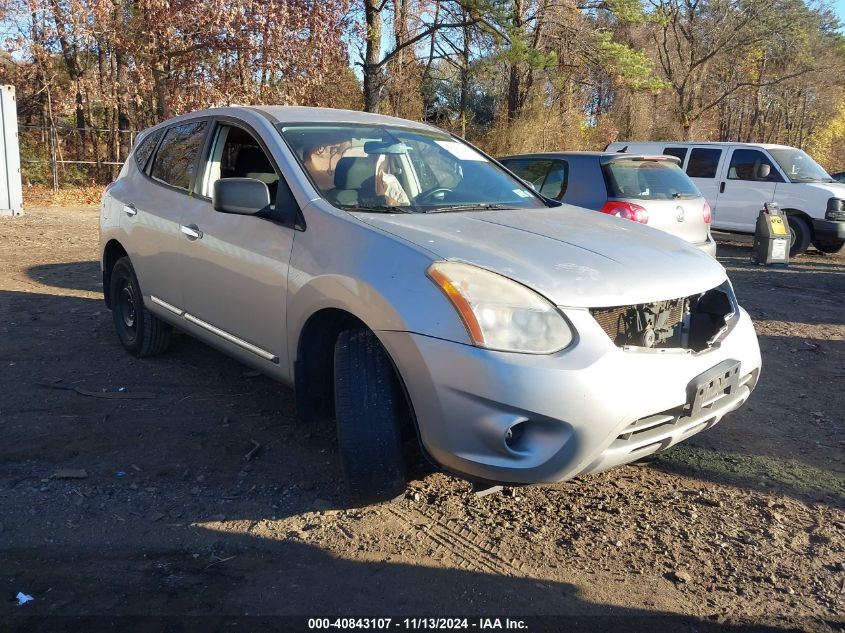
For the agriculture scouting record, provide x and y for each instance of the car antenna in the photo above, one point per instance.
(623, 150)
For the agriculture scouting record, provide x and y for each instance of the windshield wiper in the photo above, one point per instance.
(376, 208)
(469, 207)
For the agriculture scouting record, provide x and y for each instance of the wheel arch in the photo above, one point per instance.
(314, 365)
(792, 212)
(112, 252)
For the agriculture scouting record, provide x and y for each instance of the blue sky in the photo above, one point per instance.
(838, 7)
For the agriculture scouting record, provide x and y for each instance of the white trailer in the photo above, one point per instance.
(11, 193)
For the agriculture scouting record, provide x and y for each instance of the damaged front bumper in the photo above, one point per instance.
(520, 418)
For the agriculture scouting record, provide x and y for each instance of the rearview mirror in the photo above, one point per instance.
(385, 147)
(242, 196)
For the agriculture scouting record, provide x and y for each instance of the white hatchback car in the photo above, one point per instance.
(406, 285)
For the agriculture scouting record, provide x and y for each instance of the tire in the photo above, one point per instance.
(829, 246)
(369, 404)
(800, 235)
(140, 332)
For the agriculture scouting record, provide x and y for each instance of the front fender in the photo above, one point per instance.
(341, 263)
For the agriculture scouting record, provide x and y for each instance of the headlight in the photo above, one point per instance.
(500, 313)
(835, 210)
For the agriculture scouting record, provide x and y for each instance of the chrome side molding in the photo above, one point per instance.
(231, 338)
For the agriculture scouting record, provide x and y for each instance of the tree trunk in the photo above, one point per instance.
(465, 55)
(159, 82)
(514, 79)
(372, 56)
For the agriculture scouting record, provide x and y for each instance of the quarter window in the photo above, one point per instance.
(176, 158)
(678, 152)
(530, 170)
(554, 186)
(703, 162)
(752, 164)
(549, 177)
(145, 148)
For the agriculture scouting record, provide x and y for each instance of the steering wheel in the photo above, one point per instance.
(431, 193)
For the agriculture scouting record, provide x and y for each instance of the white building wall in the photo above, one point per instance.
(11, 193)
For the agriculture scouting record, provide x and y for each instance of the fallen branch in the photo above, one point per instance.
(252, 452)
(107, 395)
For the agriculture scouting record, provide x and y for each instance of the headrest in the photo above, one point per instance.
(353, 171)
(252, 160)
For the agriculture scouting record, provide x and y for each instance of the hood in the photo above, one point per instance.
(827, 189)
(572, 256)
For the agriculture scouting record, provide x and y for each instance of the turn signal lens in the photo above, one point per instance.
(499, 313)
(627, 210)
(707, 215)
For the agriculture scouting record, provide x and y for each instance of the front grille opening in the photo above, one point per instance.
(709, 316)
(694, 322)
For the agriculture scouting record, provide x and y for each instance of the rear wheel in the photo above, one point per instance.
(140, 332)
(369, 407)
(800, 235)
(829, 246)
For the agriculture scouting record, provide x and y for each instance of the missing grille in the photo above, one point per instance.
(693, 322)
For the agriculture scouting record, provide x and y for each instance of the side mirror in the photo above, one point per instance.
(763, 171)
(242, 196)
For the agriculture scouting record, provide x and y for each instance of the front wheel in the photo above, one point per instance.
(829, 246)
(369, 406)
(140, 332)
(800, 235)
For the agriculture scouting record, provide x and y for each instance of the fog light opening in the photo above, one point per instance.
(514, 434)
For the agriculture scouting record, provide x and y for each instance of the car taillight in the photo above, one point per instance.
(627, 210)
(707, 215)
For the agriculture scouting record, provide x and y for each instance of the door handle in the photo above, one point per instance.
(192, 232)
(722, 187)
(130, 210)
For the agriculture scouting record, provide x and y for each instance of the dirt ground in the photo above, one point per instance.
(742, 526)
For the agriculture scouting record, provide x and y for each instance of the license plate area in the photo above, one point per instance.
(707, 388)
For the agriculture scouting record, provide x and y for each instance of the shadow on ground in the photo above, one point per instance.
(275, 578)
(72, 275)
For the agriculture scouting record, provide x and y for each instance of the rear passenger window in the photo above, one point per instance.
(679, 152)
(703, 162)
(145, 148)
(176, 158)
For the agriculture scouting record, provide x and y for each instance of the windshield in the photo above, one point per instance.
(798, 166)
(393, 169)
(648, 180)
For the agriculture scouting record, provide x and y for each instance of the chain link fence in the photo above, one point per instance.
(57, 156)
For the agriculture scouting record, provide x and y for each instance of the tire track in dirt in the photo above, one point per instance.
(471, 551)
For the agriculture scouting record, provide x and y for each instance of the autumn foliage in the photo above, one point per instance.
(511, 75)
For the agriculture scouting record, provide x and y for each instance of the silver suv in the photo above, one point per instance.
(652, 190)
(407, 286)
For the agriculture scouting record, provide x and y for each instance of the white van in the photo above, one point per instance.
(737, 178)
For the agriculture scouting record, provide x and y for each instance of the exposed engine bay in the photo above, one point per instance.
(693, 322)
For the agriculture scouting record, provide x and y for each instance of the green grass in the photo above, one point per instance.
(748, 470)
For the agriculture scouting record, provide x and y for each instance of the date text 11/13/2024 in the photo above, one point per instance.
(417, 624)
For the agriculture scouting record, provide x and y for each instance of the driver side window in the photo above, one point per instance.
(751, 164)
(236, 154)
